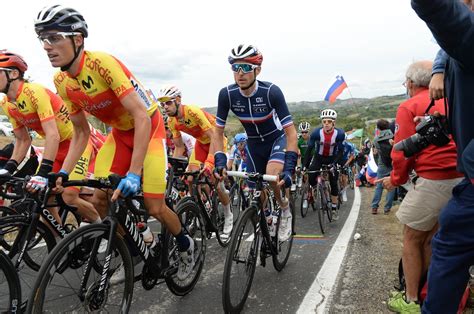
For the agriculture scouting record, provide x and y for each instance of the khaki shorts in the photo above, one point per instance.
(421, 206)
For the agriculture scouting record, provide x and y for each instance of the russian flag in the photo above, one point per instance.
(371, 173)
(336, 89)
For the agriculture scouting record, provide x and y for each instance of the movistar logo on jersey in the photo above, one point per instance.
(22, 105)
(88, 84)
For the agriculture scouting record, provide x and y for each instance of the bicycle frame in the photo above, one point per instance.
(257, 204)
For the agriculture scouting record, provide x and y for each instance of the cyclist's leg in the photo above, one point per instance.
(275, 167)
(333, 177)
(154, 188)
(71, 194)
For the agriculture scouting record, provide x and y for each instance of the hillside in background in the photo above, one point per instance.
(352, 113)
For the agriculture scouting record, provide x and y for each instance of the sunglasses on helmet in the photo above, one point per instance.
(245, 67)
(55, 38)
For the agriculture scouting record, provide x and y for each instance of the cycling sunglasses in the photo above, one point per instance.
(54, 38)
(245, 67)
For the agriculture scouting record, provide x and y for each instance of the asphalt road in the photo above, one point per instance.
(271, 292)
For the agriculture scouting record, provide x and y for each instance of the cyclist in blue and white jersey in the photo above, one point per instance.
(326, 143)
(347, 157)
(261, 108)
(238, 153)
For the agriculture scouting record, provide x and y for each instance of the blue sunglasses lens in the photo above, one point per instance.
(246, 68)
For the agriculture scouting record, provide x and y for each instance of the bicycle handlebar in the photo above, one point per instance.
(246, 175)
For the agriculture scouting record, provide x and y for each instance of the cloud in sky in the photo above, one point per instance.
(305, 43)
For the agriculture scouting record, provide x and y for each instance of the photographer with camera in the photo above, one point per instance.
(427, 149)
(451, 23)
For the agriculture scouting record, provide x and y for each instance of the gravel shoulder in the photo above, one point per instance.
(370, 268)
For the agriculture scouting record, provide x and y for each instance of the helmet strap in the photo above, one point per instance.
(9, 81)
(253, 82)
(77, 52)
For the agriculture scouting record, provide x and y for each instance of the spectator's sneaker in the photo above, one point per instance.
(399, 305)
(396, 294)
(284, 231)
(118, 276)
(228, 223)
(386, 211)
(344, 195)
(374, 211)
(186, 261)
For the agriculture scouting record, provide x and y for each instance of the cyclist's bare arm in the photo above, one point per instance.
(142, 124)
(79, 140)
(22, 144)
(52, 138)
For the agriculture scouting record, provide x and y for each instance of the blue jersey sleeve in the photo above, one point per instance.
(277, 101)
(451, 23)
(223, 106)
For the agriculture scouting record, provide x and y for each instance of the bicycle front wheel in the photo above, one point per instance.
(191, 219)
(322, 217)
(240, 262)
(58, 286)
(10, 289)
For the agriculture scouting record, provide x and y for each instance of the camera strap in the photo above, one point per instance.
(432, 103)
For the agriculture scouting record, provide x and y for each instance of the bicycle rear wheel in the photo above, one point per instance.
(241, 260)
(283, 248)
(57, 288)
(10, 288)
(190, 217)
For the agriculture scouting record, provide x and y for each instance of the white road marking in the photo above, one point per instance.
(319, 294)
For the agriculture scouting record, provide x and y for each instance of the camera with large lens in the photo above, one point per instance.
(431, 130)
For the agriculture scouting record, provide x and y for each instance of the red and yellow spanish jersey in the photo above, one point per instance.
(194, 122)
(35, 104)
(101, 82)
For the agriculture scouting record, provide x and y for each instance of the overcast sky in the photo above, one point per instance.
(305, 44)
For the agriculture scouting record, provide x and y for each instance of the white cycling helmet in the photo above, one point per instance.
(246, 53)
(328, 114)
(304, 126)
(168, 92)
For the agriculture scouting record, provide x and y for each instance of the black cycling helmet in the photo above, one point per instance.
(58, 17)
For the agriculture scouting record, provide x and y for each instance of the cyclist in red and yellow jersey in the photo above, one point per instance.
(201, 125)
(98, 83)
(30, 105)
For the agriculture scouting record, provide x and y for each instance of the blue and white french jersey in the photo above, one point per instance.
(264, 114)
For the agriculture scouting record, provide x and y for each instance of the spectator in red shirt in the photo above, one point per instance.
(437, 175)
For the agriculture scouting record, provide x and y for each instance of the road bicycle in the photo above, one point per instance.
(76, 275)
(253, 238)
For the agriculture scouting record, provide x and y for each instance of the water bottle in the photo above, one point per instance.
(147, 235)
(269, 217)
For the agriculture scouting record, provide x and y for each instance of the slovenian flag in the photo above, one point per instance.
(336, 89)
